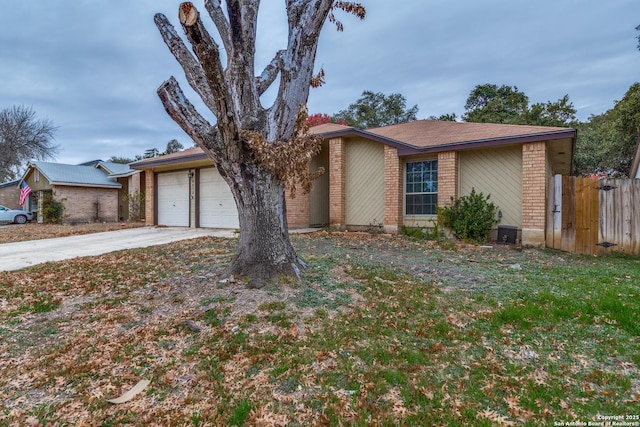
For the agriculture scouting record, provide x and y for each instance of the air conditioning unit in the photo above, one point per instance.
(507, 234)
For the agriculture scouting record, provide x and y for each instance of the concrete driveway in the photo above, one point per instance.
(14, 256)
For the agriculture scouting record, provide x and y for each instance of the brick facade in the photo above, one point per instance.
(10, 196)
(337, 183)
(298, 208)
(447, 177)
(84, 204)
(534, 186)
(150, 197)
(393, 181)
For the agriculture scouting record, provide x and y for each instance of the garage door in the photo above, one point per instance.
(173, 199)
(217, 207)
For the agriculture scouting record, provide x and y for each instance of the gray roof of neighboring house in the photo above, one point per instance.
(10, 183)
(75, 175)
(115, 168)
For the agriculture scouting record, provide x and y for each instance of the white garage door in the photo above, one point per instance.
(173, 199)
(217, 207)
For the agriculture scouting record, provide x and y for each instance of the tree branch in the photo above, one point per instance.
(222, 24)
(182, 111)
(268, 76)
(208, 53)
(192, 69)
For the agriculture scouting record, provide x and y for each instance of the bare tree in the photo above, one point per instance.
(23, 137)
(257, 150)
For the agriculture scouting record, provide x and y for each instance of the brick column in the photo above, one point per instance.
(149, 197)
(298, 208)
(447, 177)
(393, 172)
(534, 197)
(337, 179)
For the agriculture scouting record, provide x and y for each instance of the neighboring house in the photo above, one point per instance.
(389, 177)
(10, 194)
(87, 193)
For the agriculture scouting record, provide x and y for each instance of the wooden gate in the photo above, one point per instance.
(592, 216)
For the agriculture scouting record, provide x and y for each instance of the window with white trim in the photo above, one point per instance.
(421, 187)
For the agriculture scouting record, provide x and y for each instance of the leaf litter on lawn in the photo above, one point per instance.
(382, 329)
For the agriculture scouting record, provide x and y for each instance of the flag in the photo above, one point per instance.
(25, 190)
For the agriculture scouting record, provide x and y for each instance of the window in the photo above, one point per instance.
(421, 188)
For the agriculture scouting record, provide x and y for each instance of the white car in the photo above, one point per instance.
(17, 216)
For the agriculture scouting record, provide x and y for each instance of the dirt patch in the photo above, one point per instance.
(35, 231)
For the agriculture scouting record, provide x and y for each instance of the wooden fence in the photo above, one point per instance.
(594, 216)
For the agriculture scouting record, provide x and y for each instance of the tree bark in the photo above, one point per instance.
(232, 93)
(264, 249)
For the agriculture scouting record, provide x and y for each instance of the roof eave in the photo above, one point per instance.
(147, 164)
(82, 184)
(490, 142)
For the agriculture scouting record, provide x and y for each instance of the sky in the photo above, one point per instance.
(93, 68)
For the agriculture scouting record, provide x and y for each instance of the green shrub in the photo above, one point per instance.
(470, 218)
(52, 209)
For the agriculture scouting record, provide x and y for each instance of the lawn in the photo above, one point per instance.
(383, 330)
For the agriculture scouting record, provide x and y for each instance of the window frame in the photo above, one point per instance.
(407, 193)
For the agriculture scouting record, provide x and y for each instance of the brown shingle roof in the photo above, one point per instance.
(429, 133)
(327, 127)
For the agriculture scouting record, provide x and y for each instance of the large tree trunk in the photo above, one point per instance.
(247, 138)
(264, 248)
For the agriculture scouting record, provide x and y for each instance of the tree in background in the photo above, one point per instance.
(321, 119)
(173, 146)
(606, 142)
(23, 137)
(258, 151)
(489, 103)
(445, 117)
(374, 110)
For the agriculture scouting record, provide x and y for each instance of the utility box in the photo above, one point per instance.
(507, 234)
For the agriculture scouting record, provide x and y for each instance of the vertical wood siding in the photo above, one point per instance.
(364, 183)
(319, 197)
(498, 172)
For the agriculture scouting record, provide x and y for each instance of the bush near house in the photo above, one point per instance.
(470, 217)
(52, 209)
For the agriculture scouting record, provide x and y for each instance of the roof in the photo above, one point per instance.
(328, 127)
(420, 136)
(191, 154)
(10, 184)
(432, 133)
(74, 175)
(114, 168)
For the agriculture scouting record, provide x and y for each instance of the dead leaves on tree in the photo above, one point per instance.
(351, 7)
(288, 160)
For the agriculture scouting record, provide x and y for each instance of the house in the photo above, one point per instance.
(90, 192)
(10, 194)
(389, 177)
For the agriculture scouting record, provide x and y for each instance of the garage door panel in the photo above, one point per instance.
(217, 206)
(173, 199)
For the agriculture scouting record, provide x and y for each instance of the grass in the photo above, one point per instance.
(381, 331)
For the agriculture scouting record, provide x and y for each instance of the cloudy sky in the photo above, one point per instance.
(92, 68)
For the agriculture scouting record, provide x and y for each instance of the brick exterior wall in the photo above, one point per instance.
(85, 204)
(393, 181)
(298, 208)
(534, 197)
(150, 198)
(10, 197)
(337, 181)
(447, 177)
